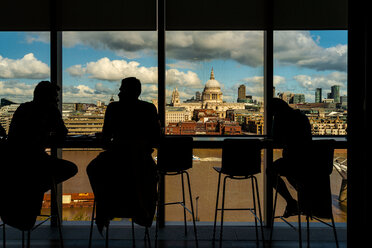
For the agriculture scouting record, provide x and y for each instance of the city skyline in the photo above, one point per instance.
(94, 63)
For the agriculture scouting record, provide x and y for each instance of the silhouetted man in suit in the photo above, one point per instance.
(30, 170)
(292, 131)
(123, 177)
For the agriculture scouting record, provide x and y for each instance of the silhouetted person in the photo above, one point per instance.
(29, 170)
(123, 177)
(292, 131)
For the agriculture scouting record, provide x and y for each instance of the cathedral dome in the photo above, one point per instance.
(212, 91)
(212, 83)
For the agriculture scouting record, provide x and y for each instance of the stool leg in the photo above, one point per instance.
(273, 214)
(4, 237)
(147, 237)
(334, 231)
(184, 203)
(215, 213)
(308, 230)
(133, 237)
(59, 223)
(192, 209)
(255, 212)
(91, 225)
(259, 212)
(223, 208)
(299, 220)
(28, 239)
(157, 215)
(23, 239)
(107, 236)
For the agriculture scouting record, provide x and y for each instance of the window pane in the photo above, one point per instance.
(93, 65)
(310, 73)
(214, 82)
(24, 61)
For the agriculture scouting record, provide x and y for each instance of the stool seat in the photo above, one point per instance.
(241, 159)
(175, 158)
(314, 198)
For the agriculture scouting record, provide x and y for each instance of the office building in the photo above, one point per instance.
(318, 95)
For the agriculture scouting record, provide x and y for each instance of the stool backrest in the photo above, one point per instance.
(241, 157)
(322, 156)
(175, 154)
(316, 192)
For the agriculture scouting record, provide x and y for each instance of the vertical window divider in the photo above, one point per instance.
(56, 76)
(161, 96)
(268, 95)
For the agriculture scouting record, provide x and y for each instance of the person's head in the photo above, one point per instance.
(279, 106)
(46, 92)
(130, 89)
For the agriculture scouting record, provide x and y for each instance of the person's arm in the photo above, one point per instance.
(155, 126)
(58, 130)
(107, 130)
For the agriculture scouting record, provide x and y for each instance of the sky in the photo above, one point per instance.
(95, 62)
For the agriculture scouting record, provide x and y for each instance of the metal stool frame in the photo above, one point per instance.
(182, 203)
(59, 224)
(252, 210)
(299, 221)
(147, 235)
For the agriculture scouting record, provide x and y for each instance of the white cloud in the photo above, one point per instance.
(245, 47)
(322, 81)
(297, 48)
(76, 70)
(83, 93)
(115, 70)
(37, 37)
(182, 79)
(16, 91)
(125, 44)
(300, 49)
(260, 80)
(13, 88)
(27, 67)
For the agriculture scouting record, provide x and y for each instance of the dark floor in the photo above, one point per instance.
(235, 235)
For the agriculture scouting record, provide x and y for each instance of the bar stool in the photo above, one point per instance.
(175, 158)
(4, 238)
(241, 159)
(314, 198)
(48, 217)
(147, 236)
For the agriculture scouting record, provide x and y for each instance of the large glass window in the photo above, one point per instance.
(214, 82)
(93, 65)
(24, 61)
(311, 68)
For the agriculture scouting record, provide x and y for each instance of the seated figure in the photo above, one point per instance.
(292, 131)
(123, 177)
(27, 170)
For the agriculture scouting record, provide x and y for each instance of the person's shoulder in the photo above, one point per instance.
(113, 105)
(25, 106)
(147, 104)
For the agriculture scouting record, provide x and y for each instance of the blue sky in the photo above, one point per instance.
(94, 62)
